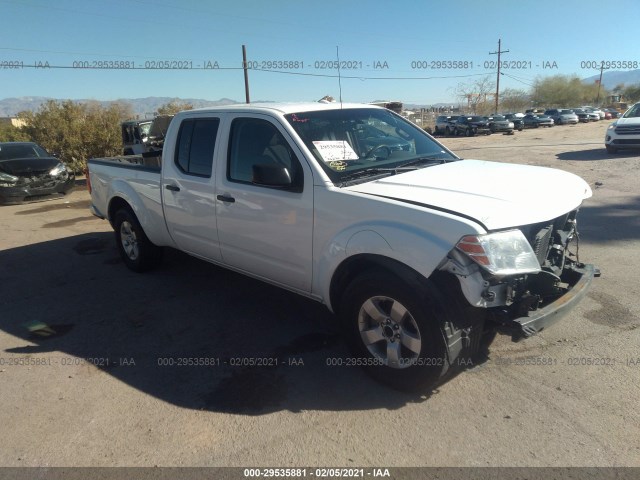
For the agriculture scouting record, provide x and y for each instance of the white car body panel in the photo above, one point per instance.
(469, 187)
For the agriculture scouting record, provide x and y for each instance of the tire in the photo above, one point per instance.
(447, 131)
(611, 149)
(468, 132)
(136, 250)
(395, 331)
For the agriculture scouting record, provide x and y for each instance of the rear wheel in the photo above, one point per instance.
(468, 132)
(136, 250)
(395, 332)
(447, 131)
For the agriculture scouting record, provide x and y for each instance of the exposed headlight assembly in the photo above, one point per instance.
(7, 180)
(58, 169)
(501, 253)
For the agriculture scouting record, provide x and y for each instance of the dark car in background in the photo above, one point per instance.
(28, 172)
(534, 121)
(444, 124)
(518, 124)
(499, 123)
(471, 125)
(583, 116)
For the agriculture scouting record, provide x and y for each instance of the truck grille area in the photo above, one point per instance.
(549, 240)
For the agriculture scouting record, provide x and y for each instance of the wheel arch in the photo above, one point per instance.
(357, 264)
(115, 204)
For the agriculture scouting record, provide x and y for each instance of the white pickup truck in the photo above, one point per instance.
(420, 253)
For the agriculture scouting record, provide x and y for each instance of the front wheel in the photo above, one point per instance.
(394, 332)
(136, 250)
(468, 132)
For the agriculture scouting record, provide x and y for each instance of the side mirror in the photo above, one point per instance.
(271, 176)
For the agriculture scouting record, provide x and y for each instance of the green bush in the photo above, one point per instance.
(77, 131)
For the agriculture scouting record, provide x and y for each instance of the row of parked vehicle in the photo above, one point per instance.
(470, 125)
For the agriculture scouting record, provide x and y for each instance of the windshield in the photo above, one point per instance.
(498, 118)
(633, 112)
(345, 142)
(24, 150)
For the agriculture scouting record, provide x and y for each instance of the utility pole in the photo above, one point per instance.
(600, 83)
(246, 74)
(498, 76)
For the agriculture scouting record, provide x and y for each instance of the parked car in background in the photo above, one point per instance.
(444, 124)
(595, 111)
(562, 116)
(534, 111)
(157, 132)
(471, 125)
(583, 116)
(498, 123)
(534, 121)
(613, 112)
(28, 172)
(625, 131)
(134, 136)
(516, 118)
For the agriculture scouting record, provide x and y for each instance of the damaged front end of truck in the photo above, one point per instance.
(527, 277)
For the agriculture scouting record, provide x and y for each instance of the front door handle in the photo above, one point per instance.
(173, 188)
(225, 198)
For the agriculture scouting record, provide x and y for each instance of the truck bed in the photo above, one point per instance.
(150, 161)
(137, 180)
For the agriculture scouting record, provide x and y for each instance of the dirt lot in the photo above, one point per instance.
(101, 392)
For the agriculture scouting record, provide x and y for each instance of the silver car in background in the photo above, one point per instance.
(562, 116)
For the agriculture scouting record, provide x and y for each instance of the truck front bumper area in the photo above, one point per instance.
(537, 320)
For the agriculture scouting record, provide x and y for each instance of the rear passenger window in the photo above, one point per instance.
(195, 146)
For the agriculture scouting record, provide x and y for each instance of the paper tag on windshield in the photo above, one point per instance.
(335, 150)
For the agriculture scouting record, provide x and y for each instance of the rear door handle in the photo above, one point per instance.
(225, 198)
(173, 188)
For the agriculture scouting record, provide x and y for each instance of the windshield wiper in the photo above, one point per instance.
(418, 161)
(362, 174)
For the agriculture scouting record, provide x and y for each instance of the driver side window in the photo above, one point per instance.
(258, 142)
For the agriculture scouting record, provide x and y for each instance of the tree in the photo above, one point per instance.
(631, 93)
(565, 91)
(173, 107)
(478, 95)
(77, 131)
(514, 100)
(10, 133)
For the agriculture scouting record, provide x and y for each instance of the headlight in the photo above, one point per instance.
(57, 170)
(501, 253)
(510, 124)
(7, 180)
(612, 126)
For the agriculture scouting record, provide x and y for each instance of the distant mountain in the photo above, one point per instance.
(142, 107)
(612, 78)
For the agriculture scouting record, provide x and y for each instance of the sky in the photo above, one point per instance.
(413, 51)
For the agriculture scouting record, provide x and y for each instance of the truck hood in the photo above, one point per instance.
(496, 195)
